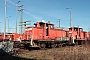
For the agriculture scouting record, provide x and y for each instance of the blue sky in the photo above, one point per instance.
(49, 10)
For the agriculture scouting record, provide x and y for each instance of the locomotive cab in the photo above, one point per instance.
(75, 32)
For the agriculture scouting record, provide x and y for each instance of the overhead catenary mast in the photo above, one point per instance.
(4, 18)
(70, 16)
(16, 15)
(59, 22)
(8, 24)
(0, 29)
(21, 18)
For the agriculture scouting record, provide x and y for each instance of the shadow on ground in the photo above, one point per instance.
(7, 56)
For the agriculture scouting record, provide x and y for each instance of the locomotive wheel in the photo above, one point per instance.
(76, 43)
(43, 46)
(59, 45)
(53, 46)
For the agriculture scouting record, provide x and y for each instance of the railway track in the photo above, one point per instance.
(20, 48)
(68, 52)
(18, 51)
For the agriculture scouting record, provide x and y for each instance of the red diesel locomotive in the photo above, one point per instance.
(46, 35)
